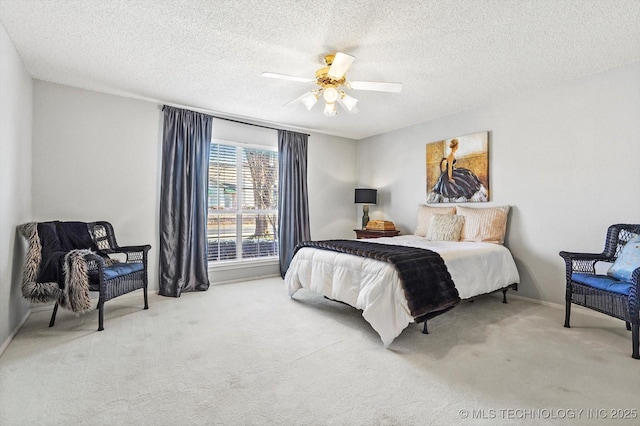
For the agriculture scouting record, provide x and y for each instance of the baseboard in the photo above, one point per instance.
(5, 344)
(214, 283)
(40, 307)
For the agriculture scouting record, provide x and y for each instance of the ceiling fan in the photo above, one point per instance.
(332, 80)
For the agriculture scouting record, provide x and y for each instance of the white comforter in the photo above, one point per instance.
(374, 286)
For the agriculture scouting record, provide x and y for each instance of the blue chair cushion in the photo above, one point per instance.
(120, 269)
(603, 282)
(627, 261)
(117, 270)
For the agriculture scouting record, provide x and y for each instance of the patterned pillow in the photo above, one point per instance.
(488, 224)
(628, 260)
(424, 217)
(445, 227)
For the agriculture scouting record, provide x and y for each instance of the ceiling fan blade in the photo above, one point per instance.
(296, 100)
(378, 86)
(340, 65)
(287, 77)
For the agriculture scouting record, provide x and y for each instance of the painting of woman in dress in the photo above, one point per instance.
(460, 177)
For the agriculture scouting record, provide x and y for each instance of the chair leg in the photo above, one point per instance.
(146, 300)
(628, 324)
(425, 330)
(634, 339)
(567, 312)
(53, 315)
(100, 314)
(504, 296)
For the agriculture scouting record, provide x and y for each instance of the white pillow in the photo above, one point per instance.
(445, 227)
(487, 224)
(628, 261)
(424, 217)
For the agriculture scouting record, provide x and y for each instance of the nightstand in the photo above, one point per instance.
(371, 233)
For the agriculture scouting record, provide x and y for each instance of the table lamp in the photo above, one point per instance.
(365, 197)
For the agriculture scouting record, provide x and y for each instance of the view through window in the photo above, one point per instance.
(243, 203)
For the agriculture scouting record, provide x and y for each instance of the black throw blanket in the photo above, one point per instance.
(56, 240)
(425, 279)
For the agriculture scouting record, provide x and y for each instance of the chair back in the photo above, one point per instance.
(104, 236)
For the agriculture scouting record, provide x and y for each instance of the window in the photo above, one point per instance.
(243, 203)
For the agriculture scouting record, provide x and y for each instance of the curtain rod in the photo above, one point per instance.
(230, 119)
(253, 124)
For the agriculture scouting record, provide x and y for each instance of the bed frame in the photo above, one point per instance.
(513, 286)
(425, 330)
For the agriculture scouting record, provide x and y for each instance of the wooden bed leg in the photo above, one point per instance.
(504, 295)
(425, 330)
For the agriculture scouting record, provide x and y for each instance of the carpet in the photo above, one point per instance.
(247, 354)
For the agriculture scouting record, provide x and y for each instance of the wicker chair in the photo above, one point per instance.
(113, 280)
(618, 299)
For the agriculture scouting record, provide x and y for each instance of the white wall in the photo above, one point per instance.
(332, 178)
(565, 157)
(15, 183)
(98, 157)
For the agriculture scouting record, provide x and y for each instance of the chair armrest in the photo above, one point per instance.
(584, 256)
(94, 261)
(132, 249)
(135, 254)
(583, 262)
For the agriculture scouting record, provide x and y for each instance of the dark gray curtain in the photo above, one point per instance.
(183, 201)
(293, 203)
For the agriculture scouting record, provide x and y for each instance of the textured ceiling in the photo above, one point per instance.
(451, 55)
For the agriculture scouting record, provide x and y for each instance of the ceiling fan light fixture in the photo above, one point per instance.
(330, 109)
(348, 101)
(310, 99)
(331, 80)
(330, 95)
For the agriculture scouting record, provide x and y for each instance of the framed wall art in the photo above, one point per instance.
(458, 169)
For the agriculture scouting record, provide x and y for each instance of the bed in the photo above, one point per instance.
(476, 267)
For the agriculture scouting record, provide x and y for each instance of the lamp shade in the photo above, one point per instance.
(366, 196)
(330, 109)
(309, 100)
(348, 102)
